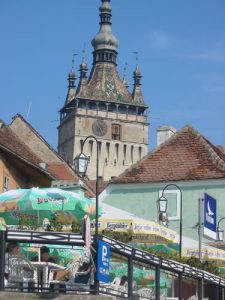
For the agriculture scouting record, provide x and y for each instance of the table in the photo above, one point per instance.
(43, 271)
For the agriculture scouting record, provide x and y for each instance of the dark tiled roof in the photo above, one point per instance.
(104, 84)
(12, 143)
(185, 156)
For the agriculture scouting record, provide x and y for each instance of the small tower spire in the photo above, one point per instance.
(125, 82)
(71, 79)
(83, 65)
(137, 93)
(81, 89)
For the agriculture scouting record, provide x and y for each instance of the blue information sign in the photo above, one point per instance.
(209, 216)
(103, 261)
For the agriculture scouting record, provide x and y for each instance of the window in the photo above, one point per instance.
(124, 154)
(107, 149)
(132, 153)
(5, 183)
(116, 132)
(173, 203)
(117, 151)
(140, 152)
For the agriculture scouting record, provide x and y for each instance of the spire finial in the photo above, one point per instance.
(84, 52)
(124, 70)
(73, 60)
(124, 76)
(136, 57)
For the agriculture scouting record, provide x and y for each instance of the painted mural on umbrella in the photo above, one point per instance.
(39, 204)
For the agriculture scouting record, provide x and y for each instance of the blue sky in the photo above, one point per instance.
(181, 47)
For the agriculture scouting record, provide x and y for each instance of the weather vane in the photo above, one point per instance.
(73, 59)
(136, 56)
(124, 70)
(84, 52)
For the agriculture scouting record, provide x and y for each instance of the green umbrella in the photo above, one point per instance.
(141, 275)
(162, 248)
(41, 203)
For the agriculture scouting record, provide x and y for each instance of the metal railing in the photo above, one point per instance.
(132, 256)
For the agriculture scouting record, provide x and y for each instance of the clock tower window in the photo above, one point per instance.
(116, 132)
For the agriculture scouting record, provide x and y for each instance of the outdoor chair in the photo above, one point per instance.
(163, 294)
(72, 272)
(115, 288)
(146, 293)
(22, 275)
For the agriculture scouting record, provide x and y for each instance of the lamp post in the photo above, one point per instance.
(219, 232)
(81, 162)
(162, 201)
(162, 208)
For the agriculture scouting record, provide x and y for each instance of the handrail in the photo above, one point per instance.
(117, 247)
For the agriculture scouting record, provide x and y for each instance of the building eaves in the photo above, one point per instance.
(27, 162)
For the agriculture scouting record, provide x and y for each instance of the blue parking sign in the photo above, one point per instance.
(103, 261)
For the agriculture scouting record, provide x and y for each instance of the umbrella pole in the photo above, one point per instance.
(38, 219)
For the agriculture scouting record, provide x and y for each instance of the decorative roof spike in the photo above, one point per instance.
(81, 89)
(125, 82)
(105, 43)
(137, 93)
(83, 66)
(71, 79)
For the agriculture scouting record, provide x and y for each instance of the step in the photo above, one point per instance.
(30, 296)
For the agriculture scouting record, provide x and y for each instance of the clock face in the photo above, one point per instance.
(99, 128)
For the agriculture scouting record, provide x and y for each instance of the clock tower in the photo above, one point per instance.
(102, 106)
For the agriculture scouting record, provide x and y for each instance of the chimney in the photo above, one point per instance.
(164, 132)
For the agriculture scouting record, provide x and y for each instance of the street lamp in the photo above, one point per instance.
(162, 204)
(81, 163)
(219, 232)
(162, 208)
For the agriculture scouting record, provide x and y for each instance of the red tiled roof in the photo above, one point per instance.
(101, 185)
(185, 156)
(62, 172)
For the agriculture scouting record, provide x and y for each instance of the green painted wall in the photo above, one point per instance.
(141, 201)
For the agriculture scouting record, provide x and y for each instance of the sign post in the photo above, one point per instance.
(209, 217)
(103, 261)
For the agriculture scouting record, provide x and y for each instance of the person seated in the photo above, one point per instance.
(12, 249)
(44, 255)
(83, 273)
(123, 280)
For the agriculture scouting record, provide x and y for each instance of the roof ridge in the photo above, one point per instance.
(37, 134)
(210, 148)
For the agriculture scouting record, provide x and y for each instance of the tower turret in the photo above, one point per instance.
(71, 87)
(137, 93)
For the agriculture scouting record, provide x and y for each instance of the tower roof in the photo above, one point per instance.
(104, 82)
(105, 39)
